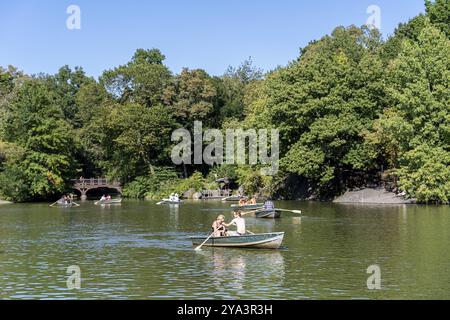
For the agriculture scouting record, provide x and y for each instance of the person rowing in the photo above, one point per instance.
(268, 205)
(218, 227)
(252, 200)
(239, 222)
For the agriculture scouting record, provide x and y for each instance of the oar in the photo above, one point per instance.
(75, 204)
(294, 211)
(200, 246)
(247, 212)
(53, 203)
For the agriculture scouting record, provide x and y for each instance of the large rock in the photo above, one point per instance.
(197, 196)
(189, 194)
(5, 202)
(372, 195)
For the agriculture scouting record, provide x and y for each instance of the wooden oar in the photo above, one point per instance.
(285, 210)
(75, 204)
(247, 212)
(53, 203)
(200, 246)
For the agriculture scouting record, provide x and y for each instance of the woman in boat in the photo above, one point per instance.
(253, 200)
(239, 222)
(218, 227)
(242, 201)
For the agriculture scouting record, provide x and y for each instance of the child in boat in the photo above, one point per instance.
(239, 222)
(218, 227)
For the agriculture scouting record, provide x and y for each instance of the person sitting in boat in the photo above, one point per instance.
(253, 200)
(239, 222)
(176, 198)
(108, 197)
(268, 205)
(218, 227)
(242, 201)
(103, 198)
(66, 199)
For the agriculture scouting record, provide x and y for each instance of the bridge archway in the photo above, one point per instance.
(83, 186)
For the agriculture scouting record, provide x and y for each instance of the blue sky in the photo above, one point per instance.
(207, 34)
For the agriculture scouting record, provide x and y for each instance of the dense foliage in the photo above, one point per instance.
(352, 109)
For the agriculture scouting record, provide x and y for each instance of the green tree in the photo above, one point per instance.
(142, 80)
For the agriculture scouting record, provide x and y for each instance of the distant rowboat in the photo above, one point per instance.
(236, 207)
(268, 214)
(260, 241)
(111, 201)
(64, 205)
(231, 198)
(168, 201)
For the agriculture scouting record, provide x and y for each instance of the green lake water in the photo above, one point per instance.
(139, 250)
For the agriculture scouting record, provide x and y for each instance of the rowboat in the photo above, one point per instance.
(231, 198)
(268, 213)
(168, 201)
(65, 205)
(260, 241)
(236, 207)
(111, 201)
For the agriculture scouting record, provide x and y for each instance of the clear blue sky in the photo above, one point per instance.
(208, 34)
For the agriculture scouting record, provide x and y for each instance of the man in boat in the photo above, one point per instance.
(253, 200)
(268, 205)
(242, 201)
(239, 222)
(108, 197)
(219, 227)
(176, 197)
(103, 198)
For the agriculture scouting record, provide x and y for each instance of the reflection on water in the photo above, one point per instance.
(142, 251)
(234, 268)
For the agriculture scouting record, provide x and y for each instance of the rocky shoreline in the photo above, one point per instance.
(374, 196)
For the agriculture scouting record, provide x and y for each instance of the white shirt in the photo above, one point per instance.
(239, 222)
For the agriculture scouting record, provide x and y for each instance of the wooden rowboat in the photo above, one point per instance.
(112, 201)
(268, 213)
(168, 201)
(260, 241)
(231, 198)
(236, 207)
(65, 205)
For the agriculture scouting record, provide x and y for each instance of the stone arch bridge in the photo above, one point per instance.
(84, 185)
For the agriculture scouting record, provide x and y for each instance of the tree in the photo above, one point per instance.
(136, 139)
(322, 103)
(439, 13)
(36, 125)
(142, 80)
(190, 96)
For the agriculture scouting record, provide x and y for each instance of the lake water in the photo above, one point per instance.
(139, 250)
